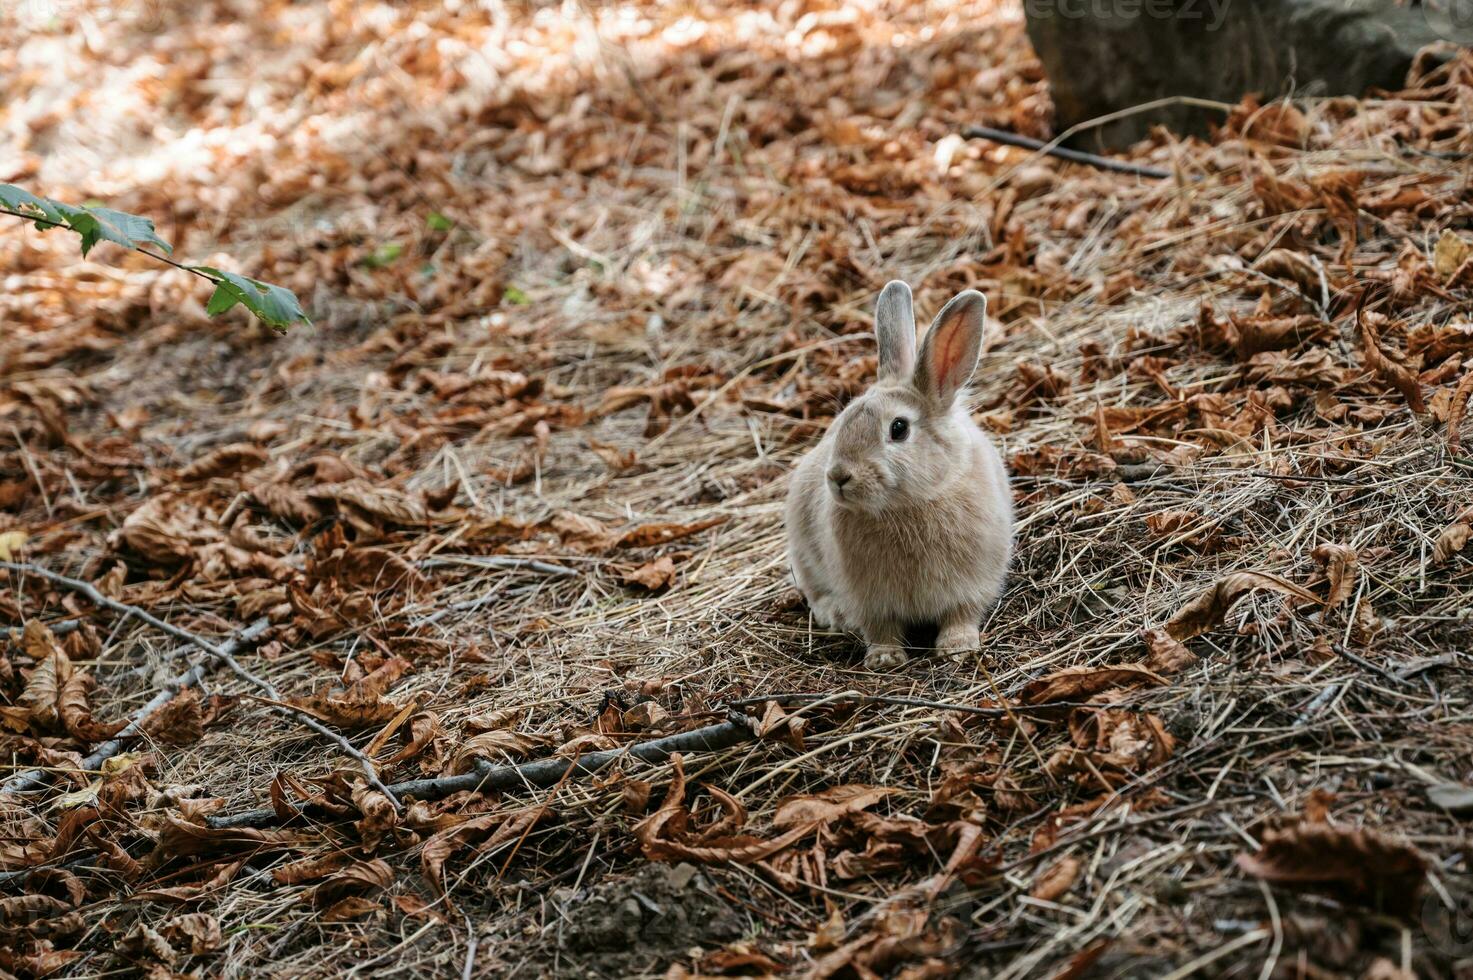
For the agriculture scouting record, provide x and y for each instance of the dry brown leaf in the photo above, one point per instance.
(616, 459)
(645, 715)
(649, 535)
(1285, 263)
(381, 506)
(1392, 372)
(1453, 538)
(1457, 409)
(827, 806)
(777, 723)
(198, 931)
(311, 869)
(499, 746)
(488, 831)
(663, 834)
(375, 569)
(1208, 609)
(1255, 334)
(228, 460)
(1341, 565)
(347, 710)
(654, 575)
(425, 743)
(1078, 683)
(287, 503)
(1054, 881)
(1451, 251)
(358, 878)
(1169, 523)
(1362, 866)
(1167, 655)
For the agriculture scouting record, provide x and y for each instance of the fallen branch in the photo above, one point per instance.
(544, 772)
(36, 779)
(1063, 152)
(224, 656)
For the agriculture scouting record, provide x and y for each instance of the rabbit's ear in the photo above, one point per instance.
(951, 347)
(895, 327)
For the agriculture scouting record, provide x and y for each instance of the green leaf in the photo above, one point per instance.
(514, 296)
(106, 225)
(276, 306)
(20, 199)
(94, 224)
(438, 222)
(383, 255)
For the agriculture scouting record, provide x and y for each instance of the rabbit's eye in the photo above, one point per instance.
(899, 429)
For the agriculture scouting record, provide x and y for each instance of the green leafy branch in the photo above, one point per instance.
(275, 306)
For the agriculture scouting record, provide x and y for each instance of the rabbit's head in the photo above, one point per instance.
(903, 441)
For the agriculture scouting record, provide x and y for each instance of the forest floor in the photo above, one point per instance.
(587, 279)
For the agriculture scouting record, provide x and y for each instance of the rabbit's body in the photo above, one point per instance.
(885, 532)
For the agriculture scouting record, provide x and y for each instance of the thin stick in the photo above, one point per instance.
(1063, 152)
(542, 773)
(132, 248)
(969, 709)
(219, 653)
(61, 628)
(36, 779)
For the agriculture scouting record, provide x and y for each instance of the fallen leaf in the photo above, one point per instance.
(1208, 609)
(1341, 565)
(654, 575)
(11, 543)
(1054, 881)
(226, 461)
(1453, 538)
(1167, 655)
(499, 746)
(649, 535)
(1457, 409)
(1361, 866)
(1078, 683)
(1392, 372)
(1449, 254)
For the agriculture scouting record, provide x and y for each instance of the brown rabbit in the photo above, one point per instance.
(902, 513)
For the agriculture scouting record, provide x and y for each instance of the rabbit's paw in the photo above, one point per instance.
(825, 613)
(883, 656)
(957, 640)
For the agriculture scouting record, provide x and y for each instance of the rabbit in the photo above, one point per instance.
(902, 514)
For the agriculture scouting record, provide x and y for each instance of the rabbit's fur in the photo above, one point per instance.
(885, 532)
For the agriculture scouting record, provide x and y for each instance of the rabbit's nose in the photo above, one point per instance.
(839, 476)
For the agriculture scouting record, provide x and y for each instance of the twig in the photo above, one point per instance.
(1365, 664)
(36, 779)
(1317, 705)
(544, 772)
(62, 628)
(969, 709)
(132, 248)
(498, 561)
(1063, 152)
(88, 590)
(470, 951)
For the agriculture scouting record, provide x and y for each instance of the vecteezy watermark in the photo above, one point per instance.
(1452, 20)
(1447, 919)
(1210, 12)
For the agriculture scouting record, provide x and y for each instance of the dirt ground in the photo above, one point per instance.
(586, 280)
